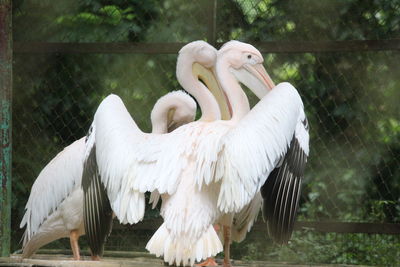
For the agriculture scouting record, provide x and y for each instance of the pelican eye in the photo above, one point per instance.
(248, 56)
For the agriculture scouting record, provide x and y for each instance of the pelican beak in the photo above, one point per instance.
(171, 124)
(262, 75)
(258, 71)
(207, 76)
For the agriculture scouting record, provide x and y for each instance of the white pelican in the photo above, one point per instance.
(205, 168)
(281, 190)
(54, 208)
(284, 191)
(242, 221)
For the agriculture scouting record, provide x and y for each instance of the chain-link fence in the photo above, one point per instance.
(350, 90)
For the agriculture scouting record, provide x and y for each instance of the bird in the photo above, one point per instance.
(205, 168)
(55, 206)
(239, 223)
(281, 190)
(279, 195)
(243, 220)
(229, 55)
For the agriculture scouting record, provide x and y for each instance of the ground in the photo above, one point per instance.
(59, 260)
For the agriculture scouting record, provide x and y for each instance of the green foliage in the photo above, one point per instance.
(349, 98)
(83, 21)
(322, 248)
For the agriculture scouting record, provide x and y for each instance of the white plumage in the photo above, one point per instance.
(205, 167)
(252, 149)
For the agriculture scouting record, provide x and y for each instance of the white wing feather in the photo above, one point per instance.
(251, 150)
(55, 182)
(118, 157)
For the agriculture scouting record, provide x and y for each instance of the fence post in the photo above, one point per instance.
(5, 125)
(212, 22)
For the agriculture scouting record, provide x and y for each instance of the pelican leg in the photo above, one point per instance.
(227, 246)
(73, 239)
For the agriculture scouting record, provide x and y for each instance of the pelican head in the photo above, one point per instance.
(182, 114)
(172, 111)
(203, 53)
(245, 63)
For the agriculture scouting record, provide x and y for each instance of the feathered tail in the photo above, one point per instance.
(49, 231)
(178, 252)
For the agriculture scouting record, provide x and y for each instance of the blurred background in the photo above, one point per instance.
(350, 90)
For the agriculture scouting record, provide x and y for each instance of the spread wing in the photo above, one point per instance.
(253, 148)
(54, 183)
(281, 191)
(106, 173)
(114, 147)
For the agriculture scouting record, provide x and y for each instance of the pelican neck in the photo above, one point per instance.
(208, 105)
(159, 123)
(234, 92)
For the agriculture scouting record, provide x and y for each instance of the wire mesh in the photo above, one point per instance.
(351, 100)
(264, 20)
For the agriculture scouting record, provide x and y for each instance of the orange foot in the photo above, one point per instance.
(95, 258)
(207, 262)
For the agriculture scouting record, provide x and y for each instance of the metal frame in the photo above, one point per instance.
(173, 48)
(323, 227)
(5, 125)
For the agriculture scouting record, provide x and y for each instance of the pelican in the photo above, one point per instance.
(280, 193)
(203, 169)
(236, 225)
(282, 190)
(240, 223)
(54, 208)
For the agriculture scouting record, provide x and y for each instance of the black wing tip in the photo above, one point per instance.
(97, 218)
(281, 194)
(281, 238)
(97, 242)
(280, 215)
(97, 211)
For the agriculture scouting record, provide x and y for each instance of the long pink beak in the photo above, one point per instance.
(264, 76)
